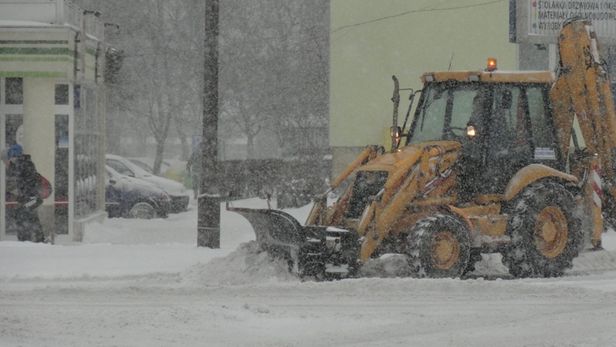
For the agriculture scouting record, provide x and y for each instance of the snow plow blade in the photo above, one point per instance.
(311, 251)
(277, 232)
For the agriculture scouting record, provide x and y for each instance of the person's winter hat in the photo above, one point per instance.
(14, 151)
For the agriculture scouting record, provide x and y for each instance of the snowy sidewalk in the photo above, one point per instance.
(126, 247)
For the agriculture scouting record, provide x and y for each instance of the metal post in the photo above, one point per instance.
(208, 224)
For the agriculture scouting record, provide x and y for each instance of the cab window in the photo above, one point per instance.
(543, 137)
(508, 121)
(446, 111)
(462, 108)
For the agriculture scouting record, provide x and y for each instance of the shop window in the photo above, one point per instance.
(14, 89)
(77, 97)
(12, 134)
(13, 130)
(61, 94)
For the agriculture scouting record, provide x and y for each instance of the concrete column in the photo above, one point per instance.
(39, 137)
(101, 117)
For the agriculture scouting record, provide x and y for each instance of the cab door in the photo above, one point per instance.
(542, 130)
(509, 140)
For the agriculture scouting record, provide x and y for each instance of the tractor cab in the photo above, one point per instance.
(500, 118)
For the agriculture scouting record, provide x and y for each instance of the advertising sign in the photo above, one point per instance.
(539, 21)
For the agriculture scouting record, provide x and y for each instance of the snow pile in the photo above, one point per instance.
(247, 265)
(388, 265)
(178, 228)
(595, 261)
(491, 265)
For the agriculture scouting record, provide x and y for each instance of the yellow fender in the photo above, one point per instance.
(531, 174)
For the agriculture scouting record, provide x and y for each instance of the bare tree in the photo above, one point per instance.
(275, 70)
(159, 86)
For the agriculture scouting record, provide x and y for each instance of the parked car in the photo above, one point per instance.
(177, 191)
(173, 169)
(134, 198)
(142, 164)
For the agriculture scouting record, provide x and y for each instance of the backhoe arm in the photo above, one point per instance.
(582, 88)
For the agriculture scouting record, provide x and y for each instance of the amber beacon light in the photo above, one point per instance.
(491, 64)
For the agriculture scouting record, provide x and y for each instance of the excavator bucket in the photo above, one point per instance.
(277, 232)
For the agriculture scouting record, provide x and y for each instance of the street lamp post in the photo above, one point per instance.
(208, 224)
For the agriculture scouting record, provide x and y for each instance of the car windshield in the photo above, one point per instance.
(142, 165)
(445, 112)
(111, 173)
(119, 167)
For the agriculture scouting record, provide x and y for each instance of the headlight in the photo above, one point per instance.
(471, 131)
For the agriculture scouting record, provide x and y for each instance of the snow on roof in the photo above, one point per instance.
(490, 76)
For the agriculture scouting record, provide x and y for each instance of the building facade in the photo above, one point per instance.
(534, 26)
(52, 102)
(373, 40)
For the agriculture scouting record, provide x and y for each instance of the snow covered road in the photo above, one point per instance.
(144, 283)
(162, 311)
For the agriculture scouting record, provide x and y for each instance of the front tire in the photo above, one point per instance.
(545, 233)
(438, 247)
(142, 210)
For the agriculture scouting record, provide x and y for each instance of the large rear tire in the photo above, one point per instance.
(439, 247)
(545, 233)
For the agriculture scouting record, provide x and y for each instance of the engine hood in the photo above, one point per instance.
(170, 186)
(137, 184)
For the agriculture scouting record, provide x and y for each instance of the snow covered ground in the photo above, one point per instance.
(145, 283)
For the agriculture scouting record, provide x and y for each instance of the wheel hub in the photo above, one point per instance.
(446, 250)
(551, 232)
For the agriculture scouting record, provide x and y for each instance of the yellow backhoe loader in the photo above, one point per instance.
(508, 162)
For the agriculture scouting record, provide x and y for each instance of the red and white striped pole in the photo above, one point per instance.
(596, 184)
(596, 204)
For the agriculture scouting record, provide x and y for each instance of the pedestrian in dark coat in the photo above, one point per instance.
(23, 183)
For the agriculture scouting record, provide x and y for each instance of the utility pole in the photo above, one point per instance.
(208, 224)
